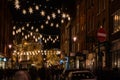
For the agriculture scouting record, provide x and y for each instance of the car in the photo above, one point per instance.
(80, 75)
(66, 72)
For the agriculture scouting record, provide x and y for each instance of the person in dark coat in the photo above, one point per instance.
(22, 75)
(42, 73)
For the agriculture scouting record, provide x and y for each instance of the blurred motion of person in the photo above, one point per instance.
(22, 75)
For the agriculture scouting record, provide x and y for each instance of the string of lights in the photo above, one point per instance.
(38, 19)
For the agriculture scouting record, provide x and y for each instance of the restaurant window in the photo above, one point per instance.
(116, 22)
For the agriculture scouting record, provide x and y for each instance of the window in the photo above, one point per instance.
(103, 4)
(116, 22)
(98, 6)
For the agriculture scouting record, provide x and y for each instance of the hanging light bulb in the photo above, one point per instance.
(25, 36)
(17, 6)
(31, 33)
(49, 37)
(51, 24)
(40, 36)
(42, 13)
(37, 7)
(69, 18)
(57, 25)
(37, 30)
(46, 22)
(58, 11)
(53, 41)
(24, 11)
(32, 28)
(42, 26)
(27, 24)
(53, 15)
(30, 10)
(19, 30)
(22, 34)
(45, 41)
(36, 39)
(57, 37)
(13, 33)
(43, 38)
(63, 15)
(48, 17)
(62, 21)
(23, 28)
(14, 27)
(28, 35)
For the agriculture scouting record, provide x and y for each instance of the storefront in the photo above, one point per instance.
(2, 62)
(99, 57)
(80, 60)
(116, 53)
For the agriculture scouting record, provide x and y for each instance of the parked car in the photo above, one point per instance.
(80, 75)
(66, 72)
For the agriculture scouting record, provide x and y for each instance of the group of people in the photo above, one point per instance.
(32, 73)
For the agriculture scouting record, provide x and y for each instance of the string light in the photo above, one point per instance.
(42, 13)
(53, 15)
(37, 7)
(49, 16)
(24, 11)
(30, 10)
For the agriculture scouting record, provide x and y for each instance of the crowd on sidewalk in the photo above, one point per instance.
(43, 73)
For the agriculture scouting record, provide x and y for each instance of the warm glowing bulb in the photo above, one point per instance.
(51, 24)
(30, 10)
(62, 21)
(57, 25)
(48, 17)
(24, 11)
(13, 32)
(63, 15)
(58, 11)
(42, 26)
(42, 13)
(17, 6)
(37, 30)
(53, 15)
(37, 7)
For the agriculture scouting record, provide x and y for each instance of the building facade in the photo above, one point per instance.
(115, 32)
(97, 16)
(5, 31)
(90, 16)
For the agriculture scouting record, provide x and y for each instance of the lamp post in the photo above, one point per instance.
(10, 48)
(74, 40)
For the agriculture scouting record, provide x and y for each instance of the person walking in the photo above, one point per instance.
(22, 75)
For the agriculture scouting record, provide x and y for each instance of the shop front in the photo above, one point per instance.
(115, 54)
(2, 62)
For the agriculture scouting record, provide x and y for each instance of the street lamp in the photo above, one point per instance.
(74, 40)
(10, 46)
(9, 52)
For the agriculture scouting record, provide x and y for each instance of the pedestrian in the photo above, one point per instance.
(22, 75)
(42, 73)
